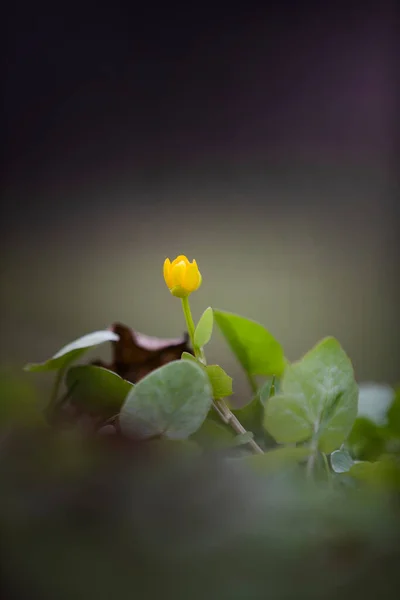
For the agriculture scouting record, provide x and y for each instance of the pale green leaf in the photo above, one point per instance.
(203, 331)
(73, 351)
(220, 381)
(341, 461)
(318, 398)
(172, 401)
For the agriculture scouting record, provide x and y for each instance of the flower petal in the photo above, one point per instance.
(177, 273)
(192, 277)
(167, 272)
(181, 258)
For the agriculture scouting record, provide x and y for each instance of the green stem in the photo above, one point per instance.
(189, 319)
(219, 405)
(229, 418)
(198, 352)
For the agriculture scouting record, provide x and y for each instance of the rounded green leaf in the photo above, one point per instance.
(96, 389)
(73, 351)
(203, 331)
(318, 397)
(341, 461)
(257, 350)
(172, 401)
(366, 440)
(286, 419)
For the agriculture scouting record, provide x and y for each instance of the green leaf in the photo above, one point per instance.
(96, 389)
(287, 420)
(172, 401)
(203, 331)
(341, 461)
(366, 440)
(73, 351)
(257, 350)
(277, 459)
(394, 416)
(220, 381)
(213, 434)
(318, 398)
(188, 356)
(383, 473)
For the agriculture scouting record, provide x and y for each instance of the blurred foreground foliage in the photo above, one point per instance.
(139, 479)
(111, 516)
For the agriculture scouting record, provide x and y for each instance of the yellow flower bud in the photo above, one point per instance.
(181, 276)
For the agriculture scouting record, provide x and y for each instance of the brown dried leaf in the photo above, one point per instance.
(136, 354)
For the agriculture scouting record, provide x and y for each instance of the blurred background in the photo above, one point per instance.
(260, 141)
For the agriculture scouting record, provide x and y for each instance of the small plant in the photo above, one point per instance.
(293, 495)
(301, 415)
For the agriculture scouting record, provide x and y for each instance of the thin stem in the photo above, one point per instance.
(198, 352)
(222, 409)
(229, 418)
(189, 319)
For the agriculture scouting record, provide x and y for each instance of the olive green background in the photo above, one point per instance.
(307, 250)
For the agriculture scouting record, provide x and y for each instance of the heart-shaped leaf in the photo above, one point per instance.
(96, 389)
(318, 398)
(73, 351)
(257, 350)
(203, 331)
(172, 401)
